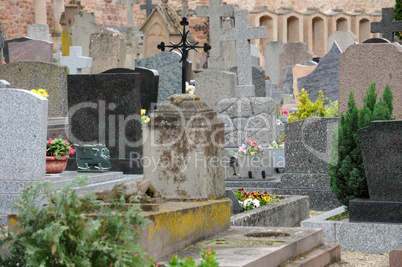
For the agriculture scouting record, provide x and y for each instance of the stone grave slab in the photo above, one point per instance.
(325, 77)
(6, 52)
(107, 50)
(258, 75)
(80, 31)
(75, 62)
(169, 67)
(35, 75)
(38, 32)
(344, 39)
(105, 108)
(23, 116)
(362, 64)
(32, 50)
(149, 82)
(271, 55)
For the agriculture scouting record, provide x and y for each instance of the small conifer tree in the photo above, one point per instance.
(347, 177)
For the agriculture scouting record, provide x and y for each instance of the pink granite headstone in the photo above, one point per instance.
(34, 50)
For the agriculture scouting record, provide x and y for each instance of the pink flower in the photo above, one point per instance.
(65, 140)
(280, 108)
(285, 112)
(248, 140)
(72, 151)
(50, 140)
(254, 144)
(3, 63)
(209, 251)
(260, 148)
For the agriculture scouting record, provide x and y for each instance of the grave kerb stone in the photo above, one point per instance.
(75, 61)
(388, 25)
(215, 11)
(241, 35)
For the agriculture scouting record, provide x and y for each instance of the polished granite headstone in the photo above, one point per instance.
(105, 108)
(149, 81)
(7, 42)
(381, 146)
(32, 50)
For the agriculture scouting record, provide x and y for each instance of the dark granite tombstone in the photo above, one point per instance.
(258, 79)
(149, 82)
(376, 41)
(381, 146)
(6, 51)
(33, 50)
(388, 25)
(105, 108)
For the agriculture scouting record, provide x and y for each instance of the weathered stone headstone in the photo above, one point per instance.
(148, 7)
(33, 50)
(75, 62)
(388, 25)
(105, 108)
(287, 76)
(258, 75)
(213, 86)
(344, 39)
(242, 34)
(7, 42)
(107, 50)
(149, 82)
(380, 144)
(324, 78)
(23, 117)
(299, 71)
(363, 64)
(255, 58)
(169, 67)
(35, 75)
(179, 158)
(235, 202)
(80, 31)
(271, 55)
(38, 32)
(215, 11)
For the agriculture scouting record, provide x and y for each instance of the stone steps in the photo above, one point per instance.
(318, 257)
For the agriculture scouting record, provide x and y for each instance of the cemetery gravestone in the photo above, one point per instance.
(287, 76)
(185, 12)
(324, 78)
(363, 64)
(271, 55)
(344, 39)
(4, 84)
(32, 50)
(258, 75)
(149, 82)
(38, 32)
(376, 41)
(80, 31)
(235, 202)
(129, 6)
(105, 108)
(148, 7)
(255, 58)
(215, 11)
(23, 117)
(35, 75)
(7, 42)
(230, 46)
(75, 61)
(387, 26)
(169, 67)
(242, 34)
(107, 50)
(299, 71)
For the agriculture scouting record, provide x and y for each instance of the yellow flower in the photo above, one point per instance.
(143, 111)
(41, 92)
(267, 198)
(147, 120)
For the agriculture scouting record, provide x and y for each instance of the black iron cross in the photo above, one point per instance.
(184, 46)
(148, 7)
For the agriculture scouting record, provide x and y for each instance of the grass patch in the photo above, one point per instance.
(339, 217)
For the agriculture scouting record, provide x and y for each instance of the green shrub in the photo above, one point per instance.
(347, 177)
(308, 109)
(60, 234)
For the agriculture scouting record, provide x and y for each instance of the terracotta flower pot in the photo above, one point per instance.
(54, 165)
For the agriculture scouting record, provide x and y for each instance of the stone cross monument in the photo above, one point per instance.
(185, 12)
(215, 11)
(242, 34)
(388, 25)
(129, 4)
(75, 61)
(148, 7)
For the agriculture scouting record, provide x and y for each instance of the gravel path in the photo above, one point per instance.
(357, 259)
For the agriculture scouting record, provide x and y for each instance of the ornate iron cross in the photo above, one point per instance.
(184, 46)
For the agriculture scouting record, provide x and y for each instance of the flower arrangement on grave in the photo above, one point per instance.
(282, 114)
(144, 118)
(58, 147)
(190, 89)
(250, 148)
(41, 92)
(249, 201)
(276, 145)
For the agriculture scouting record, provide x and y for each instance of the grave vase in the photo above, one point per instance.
(54, 165)
(255, 166)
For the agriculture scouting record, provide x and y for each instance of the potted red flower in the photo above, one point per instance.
(57, 155)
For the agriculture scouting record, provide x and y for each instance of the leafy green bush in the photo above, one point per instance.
(347, 177)
(208, 259)
(308, 109)
(60, 234)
